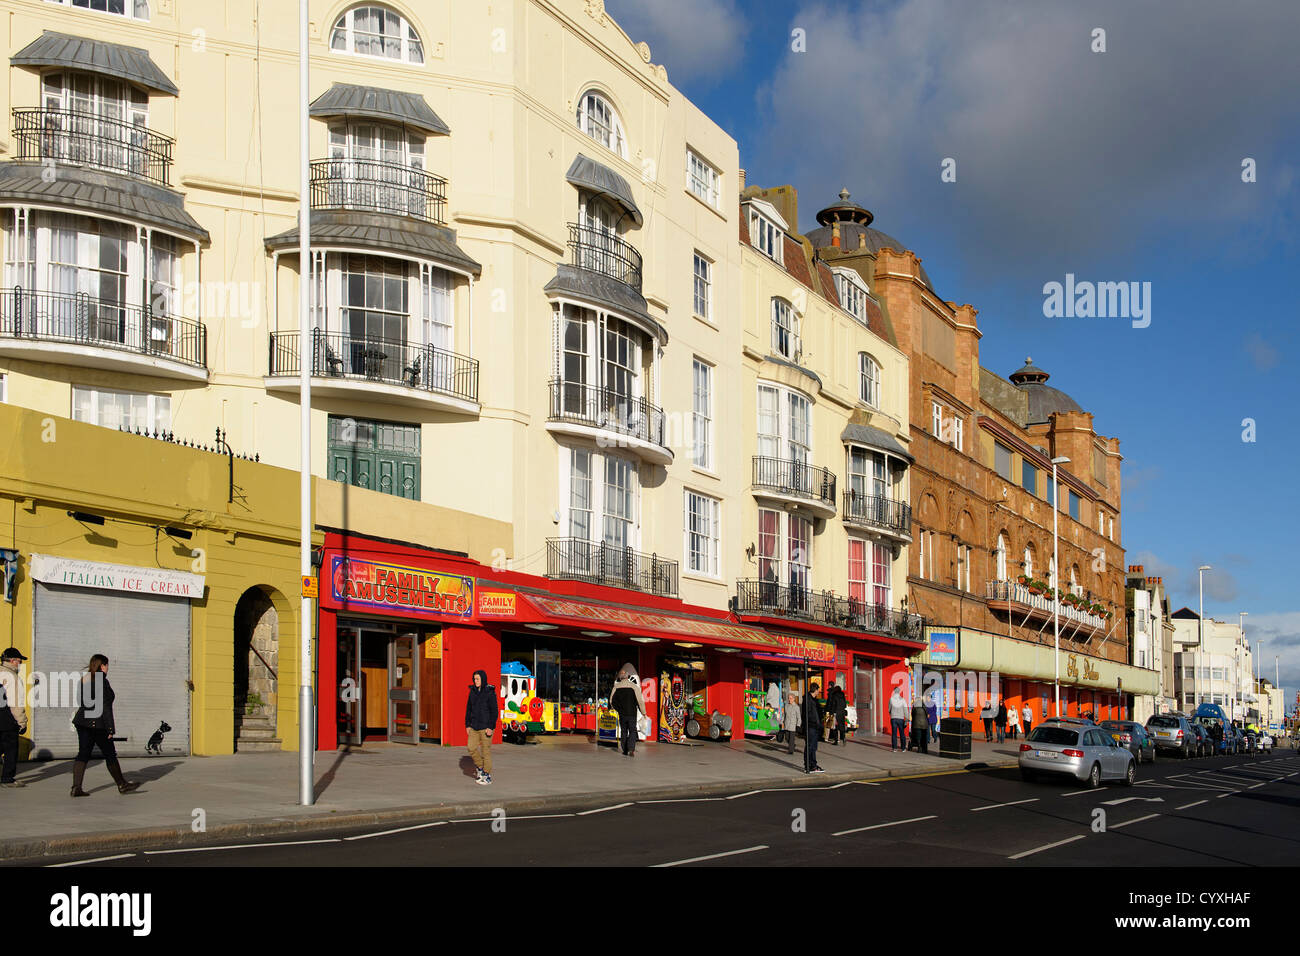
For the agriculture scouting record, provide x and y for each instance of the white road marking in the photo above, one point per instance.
(98, 859)
(536, 816)
(1115, 803)
(239, 846)
(418, 826)
(690, 799)
(1228, 794)
(1049, 846)
(1188, 806)
(617, 806)
(1256, 786)
(712, 856)
(747, 793)
(994, 806)
(1075, 793)
(1116, 826)
(878, 826)
(866, 783)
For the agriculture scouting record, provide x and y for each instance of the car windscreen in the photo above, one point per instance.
(1163, 722)
(1054, 735)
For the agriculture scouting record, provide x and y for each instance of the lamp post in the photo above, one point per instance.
(1255, 665)
(1056, 572)
(306, 705)
(1200, 635)
(1236, 662)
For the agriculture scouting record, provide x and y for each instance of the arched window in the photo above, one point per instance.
(1029, 560)
(599, 120)
(377, 31)
(1074, 579)
(1001, 558)
(868, 380)
(785, 329)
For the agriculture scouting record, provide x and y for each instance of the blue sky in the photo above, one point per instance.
(1115, 165)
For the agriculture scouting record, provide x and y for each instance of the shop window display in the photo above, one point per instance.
(679, 683)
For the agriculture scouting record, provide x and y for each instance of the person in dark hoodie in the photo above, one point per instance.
(628, 701)
(812, 726)
(481, 724)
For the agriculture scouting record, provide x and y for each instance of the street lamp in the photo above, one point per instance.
(1200, 635)
(306, 704)
(1056, 574)
(1255, 667)
(1236, 658)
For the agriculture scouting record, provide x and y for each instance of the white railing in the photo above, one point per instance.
(1020, 594)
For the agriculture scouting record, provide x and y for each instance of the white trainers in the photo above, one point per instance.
(482, 778)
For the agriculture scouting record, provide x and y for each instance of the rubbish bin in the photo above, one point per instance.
(954, 738)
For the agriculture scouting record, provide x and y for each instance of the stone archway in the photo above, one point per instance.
(256, 672)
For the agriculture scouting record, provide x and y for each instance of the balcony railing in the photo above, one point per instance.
(598, 251)
(878, 512)
(825, 607)
(1042, 605)
(603, 407)
(577, 559)
(72, 136)
(790, 477)
(373, 359)
(376, 186)
(81, 319)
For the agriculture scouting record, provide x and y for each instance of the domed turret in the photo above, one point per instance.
(1043, 399)
(853, 222)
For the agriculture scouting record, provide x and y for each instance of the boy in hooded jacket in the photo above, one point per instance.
(480, 724)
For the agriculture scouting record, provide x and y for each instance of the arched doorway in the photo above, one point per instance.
(256, 658)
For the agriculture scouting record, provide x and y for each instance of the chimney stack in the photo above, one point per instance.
(742, 180)
(835, 234)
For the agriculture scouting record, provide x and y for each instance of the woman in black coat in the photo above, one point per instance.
(837, 705)
(95, 727)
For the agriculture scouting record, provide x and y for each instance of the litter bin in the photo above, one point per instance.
(954, 738)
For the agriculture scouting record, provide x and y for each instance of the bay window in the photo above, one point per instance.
(95, 120)
(784, 431)
(378, 167)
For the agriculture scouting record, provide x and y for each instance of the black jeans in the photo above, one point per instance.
(789, 739)
(8, 755)
(837, 729)
(921, 739)
(627, 735)
(88, 739)
(810, 735)
(988, 728)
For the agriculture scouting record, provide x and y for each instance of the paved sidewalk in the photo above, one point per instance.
(255, 795)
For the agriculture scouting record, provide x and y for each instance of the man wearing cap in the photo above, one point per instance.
(13, 715)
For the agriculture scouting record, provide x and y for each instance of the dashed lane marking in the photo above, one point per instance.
(713, 856)
(1116, 826)
(994, 806)
(617, 806)
(1048, 846)
(98, 859)
(1188, 806)
(239, 846)
(878, 826)
(535, 816)
(418, 826)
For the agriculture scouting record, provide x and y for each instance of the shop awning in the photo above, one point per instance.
(642, 622)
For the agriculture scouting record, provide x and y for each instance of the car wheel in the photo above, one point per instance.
(1153, 754)
(1094, 777)
(1132, 773)
(1028, 775)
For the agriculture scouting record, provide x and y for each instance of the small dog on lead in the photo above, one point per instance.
(155, 742)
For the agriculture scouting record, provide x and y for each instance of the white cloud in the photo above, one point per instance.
(693, 39)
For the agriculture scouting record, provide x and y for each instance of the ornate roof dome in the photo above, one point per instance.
(855, 221)
(1043, 399)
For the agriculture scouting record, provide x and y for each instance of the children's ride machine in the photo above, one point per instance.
(522, 711)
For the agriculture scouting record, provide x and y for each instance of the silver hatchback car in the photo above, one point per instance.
(1077, 750)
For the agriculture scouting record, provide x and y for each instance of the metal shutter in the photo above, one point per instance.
(147, 641)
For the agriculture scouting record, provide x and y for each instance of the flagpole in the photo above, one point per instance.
(306, 705)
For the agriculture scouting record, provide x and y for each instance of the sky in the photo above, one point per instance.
(1162, 150)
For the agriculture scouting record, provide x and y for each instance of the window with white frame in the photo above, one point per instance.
(868, 475)
(784, 549)
(378, 167)
(601, 377)
(702, 414)
(963, 567)
(785, 329)
(703, 299)
(1029, 561)
(4, 388)
(869, 572)
(703, 534)
(703, 180)
(925, 555)
(784, 424)
(936, 420)
(765, 236)
(852, 293)
(599, 120)
(376, 31)
(1000, 558)
(1110, 527)
(96, 121)
(1101, 521)
(115, 409)
(868, 380)
(957, 439)
(135, 9)
(600, 492)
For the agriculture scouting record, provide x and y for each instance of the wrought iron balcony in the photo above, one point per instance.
(1039, 607)
(598, 251)
(85, 320)
(373, 359)
(71, 136)
(795, 479)
(577, 559)
(609, 409)
(825, 607)
(874, 511)
(375, 186)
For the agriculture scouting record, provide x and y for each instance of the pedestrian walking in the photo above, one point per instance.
(838, 707)
(898, 711)
(95, 727)
(629, 702)
(932, 715)
(920, 727)
(987, 713)
(791, 721)
(1028, 716)
(481, 724)
(812, 726)
(1013, 722)
(13, 715)
(1000, 720)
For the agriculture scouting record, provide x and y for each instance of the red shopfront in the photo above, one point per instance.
(402, 630)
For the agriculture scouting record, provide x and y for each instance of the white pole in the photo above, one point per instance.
(1056, 591)
(306, 705)
(1200, 638)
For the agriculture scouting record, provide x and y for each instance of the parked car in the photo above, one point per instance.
(1209, 715)
(1239, 742)
(1084, 752)
(1265, 743)
(1205, 743)
(1173, 732)
(1225, 743)
(1071, 721)
(1134, 736)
